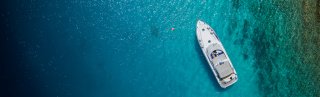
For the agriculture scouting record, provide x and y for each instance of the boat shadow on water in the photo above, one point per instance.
(205, 65)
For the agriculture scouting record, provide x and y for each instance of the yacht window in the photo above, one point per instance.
(211, 55)
(216, 53)
(220, 63)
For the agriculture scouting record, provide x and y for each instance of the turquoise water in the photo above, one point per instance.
(127, 49)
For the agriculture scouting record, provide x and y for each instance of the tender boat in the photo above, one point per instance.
(216, 55)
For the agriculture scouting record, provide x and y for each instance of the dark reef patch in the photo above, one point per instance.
(264, 64)
(232, 28)
(246, 26)
(318, 11)
(309, 46)
(286, 50)
(236, 4)
(245, 56)
(154, 31)
(243, 35)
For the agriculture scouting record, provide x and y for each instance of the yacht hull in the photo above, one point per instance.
(221, 67)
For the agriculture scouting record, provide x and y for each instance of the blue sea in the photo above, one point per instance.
(127, 48)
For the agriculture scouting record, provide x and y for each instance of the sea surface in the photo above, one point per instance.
(127, 48)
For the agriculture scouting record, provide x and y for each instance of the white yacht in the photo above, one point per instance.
(216, 55)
